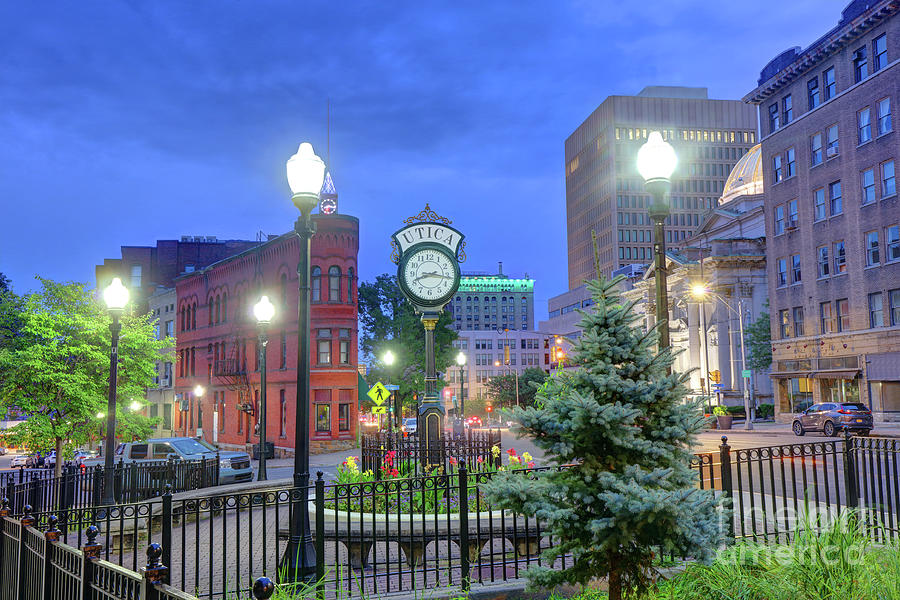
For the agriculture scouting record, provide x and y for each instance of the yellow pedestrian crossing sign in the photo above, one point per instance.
(378, 393)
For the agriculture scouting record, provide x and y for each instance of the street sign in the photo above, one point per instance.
(745, 373)
(379, 410)
(718, 386)
(393, 388)
(378, 393)
(715, 376)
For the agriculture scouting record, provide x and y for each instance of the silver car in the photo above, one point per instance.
(830, 417)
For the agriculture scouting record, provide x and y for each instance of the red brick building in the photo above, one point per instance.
(217, 342)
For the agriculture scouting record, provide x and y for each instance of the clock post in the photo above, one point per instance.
(428, 251)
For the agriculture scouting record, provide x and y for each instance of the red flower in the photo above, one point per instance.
(395, 473)
(531, 465)
(452, 461)
(479, 460)
(511, 451)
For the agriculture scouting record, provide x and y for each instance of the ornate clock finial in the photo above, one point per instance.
(427, 216)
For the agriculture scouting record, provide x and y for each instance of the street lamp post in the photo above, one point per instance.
(700, 292)
(199, 390)
(656, 161)
(263, 310)
(461, 361)
(388, 360)
(305, 174)
(116, 297)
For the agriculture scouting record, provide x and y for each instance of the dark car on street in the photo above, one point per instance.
(831, 417)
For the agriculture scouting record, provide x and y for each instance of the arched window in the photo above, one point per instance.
(224, 307)
(182, 319)
(194, 316)
(218, 309)
(187, 320)
(334, 284)
(210, 311)
(350, 285)
(316, 281)
(284, 292)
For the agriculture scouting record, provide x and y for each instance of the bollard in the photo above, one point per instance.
(263, 588)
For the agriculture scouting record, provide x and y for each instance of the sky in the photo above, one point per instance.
(124, 122)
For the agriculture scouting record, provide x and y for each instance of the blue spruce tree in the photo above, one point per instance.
(627, 427)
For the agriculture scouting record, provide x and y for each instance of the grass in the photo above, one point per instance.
(834, 561)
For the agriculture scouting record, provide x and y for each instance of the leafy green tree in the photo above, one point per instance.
(57, 377)
(627, 428)
(388, 322)
(502, 388)
(758, 338)
(10, 307)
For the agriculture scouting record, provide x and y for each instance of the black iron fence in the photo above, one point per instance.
(83, 487)
(36, 565)
(478, 449)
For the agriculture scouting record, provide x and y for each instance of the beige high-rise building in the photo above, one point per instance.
(605, 193)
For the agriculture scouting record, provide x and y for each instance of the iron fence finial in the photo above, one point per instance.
(263, 588)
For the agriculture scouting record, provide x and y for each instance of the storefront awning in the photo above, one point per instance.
(790, 375)
(835, 374)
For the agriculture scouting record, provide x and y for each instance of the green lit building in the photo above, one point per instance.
(491, 302)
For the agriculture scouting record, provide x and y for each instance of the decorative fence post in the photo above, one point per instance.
(320, 537)
(26, 522)
(263, 588)
(167, 525)
(97, 486)
(727, 491)
(464, 522)
(154, 573)
(850, 478)
(51, 536)
(4, 512)
(90, 552)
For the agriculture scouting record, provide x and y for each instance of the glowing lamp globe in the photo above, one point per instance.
(115, 295)
(305, 175)
(699, 291)
(199, 391)
(389, 358)
(263, 310)
(460, 359)
(656, 159)
(135, 405)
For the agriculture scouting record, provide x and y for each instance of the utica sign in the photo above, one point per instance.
(419, 233)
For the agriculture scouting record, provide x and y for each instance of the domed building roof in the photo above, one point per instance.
(746, 177)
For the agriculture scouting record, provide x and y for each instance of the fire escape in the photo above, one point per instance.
(231, 371)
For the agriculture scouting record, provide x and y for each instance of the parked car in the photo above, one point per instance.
(410, 426)
(3, 450)
(22, 460)
(50, 460)
(82, 455)
(831, 417)
(233, 466)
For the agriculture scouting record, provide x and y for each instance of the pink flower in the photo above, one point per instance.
(511, 451)
(479, 460)
(395, 473)
(452, 461)
(531, 465)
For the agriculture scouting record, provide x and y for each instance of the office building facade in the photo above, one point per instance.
(490, 302)
(829, 155)
(605, 194)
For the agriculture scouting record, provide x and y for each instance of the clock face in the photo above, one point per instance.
(430, 275)
(328, 206)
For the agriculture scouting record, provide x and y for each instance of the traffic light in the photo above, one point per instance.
(489, 408)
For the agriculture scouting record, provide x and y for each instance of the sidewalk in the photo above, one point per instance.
(770, 427)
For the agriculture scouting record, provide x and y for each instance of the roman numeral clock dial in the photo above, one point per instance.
(430, 275)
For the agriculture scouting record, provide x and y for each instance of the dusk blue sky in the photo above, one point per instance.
(126, 122)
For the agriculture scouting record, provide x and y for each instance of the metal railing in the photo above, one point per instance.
(35, 565)
(474, 448)
(83, 487)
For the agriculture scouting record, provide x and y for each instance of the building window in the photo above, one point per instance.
(840, 258)
(784, 319)
(884, 116)
(345, 352)
(876, 313)
(324, 352)
(774, 122)
(843, 314)
(136, 276)
(867, 182)
(822, 260)
(351, 285)
(779, 220)
(864, 125)
(795, 268)
(819, 202)
(323, 418)
(872, 257)
(860, 64)
(834, 195)
(283, 351)
(170, 328)
(782, 272)
(787, 109)
(777, 168)
(316, 283)
(791, 162)
(792, 215)
(798, 321)
(812, 92)
(334, 284)
(343, 417)
(815, 145)
(282, 412)
(888, 185)
(832, 147)
(879, 52)
(894, 304)
(826, 317)
(828, 82)
(892, 243)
